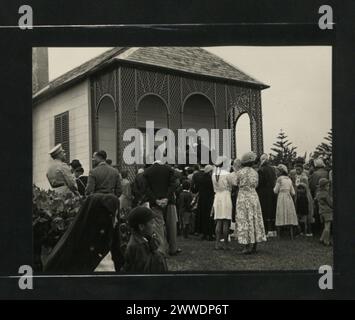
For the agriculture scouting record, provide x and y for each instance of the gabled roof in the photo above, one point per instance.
(192, 60)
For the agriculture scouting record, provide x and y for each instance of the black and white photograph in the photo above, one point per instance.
(176, 156)
(264, 203)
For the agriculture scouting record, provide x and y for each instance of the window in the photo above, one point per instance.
(61, 132)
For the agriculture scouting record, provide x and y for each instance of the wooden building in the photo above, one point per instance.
(91, 106)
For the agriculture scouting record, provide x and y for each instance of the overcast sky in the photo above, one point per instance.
(298, 100)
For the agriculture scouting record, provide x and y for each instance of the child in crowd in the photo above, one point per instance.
(185, 207)
(302, 207)
(142, 253)
(285, 210)
(325, 205)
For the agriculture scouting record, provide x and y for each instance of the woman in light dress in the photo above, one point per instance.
(249, 220)
(285, 209)
(222, 204)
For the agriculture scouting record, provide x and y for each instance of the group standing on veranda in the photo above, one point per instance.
(164, 201)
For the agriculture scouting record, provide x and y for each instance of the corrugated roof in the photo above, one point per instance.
(193, 60)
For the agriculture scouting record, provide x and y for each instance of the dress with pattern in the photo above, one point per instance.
(249, 218)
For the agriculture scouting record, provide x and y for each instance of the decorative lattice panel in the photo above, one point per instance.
(221, 109)
(105, 84)
(128, 105)
(242, 100)
(152, 82)
(190, 86)
(175, 102)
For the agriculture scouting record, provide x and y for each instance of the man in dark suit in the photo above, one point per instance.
(159, 191)
(103, 178)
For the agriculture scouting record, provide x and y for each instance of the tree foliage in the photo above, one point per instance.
(283, 151)
(325, 149)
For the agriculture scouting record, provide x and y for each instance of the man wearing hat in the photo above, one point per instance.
(59, 174)
(103, 178)
(75, 164)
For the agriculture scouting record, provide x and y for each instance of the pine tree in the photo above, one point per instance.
(284, 151)
(325, 148)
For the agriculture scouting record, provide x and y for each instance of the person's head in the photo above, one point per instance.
(99, 156)
(186, 185)
(189, 170)
(140, 219)
(124, 174)
(283, 171)
(264, 159)
(196, 167)
(78, 172)
(74, 164)
(208, 169)
(237, 164)
(299, 168)
(109, 162)
(323, 184)
(58, 153)
(299, 160)
(248, 159)
(319, 163)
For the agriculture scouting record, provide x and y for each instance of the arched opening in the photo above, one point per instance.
(242, 135)
(107, 128)
(151, 108)
(198, 113)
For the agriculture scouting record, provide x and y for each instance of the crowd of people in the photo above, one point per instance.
(248, 200)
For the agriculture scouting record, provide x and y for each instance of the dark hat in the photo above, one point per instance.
(139, 215)
(102, 154)
(299, 160)
(75, 164)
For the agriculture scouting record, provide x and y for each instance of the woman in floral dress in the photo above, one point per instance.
(250, 227)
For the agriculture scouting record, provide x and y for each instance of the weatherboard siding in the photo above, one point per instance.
(75, 100)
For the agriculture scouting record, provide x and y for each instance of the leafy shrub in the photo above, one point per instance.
(52, 214)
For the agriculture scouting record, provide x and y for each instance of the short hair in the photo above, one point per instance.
(102, 154)
(139, 215)
(186, 185)
(124, 174)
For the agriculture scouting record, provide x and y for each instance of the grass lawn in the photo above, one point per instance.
(275, 254)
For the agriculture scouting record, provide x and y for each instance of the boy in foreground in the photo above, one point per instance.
(142, 255)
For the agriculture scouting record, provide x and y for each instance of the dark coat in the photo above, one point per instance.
(104, 179)
(142, 256)
(265, 190)
(82, 182)
(160, 183)
(138, 188)
(204, 186)
(88, 238)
